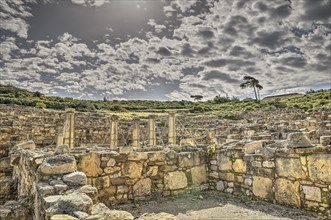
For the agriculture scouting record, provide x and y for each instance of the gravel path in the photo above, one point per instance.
(214, 205)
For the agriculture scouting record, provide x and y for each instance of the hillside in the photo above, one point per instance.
(221, 106)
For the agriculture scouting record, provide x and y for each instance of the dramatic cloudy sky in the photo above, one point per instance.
(164, 49)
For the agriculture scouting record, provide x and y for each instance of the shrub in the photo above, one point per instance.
(40, 105)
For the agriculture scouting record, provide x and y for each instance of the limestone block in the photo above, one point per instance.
(312, 193)
(175, 180)
(62, 149)
(122, 189)
(142, 187)
(99, 208)
(199, 175)
(224, 162)
(90, 164)
(27, 145)
(137, 156)
(325, 140)
(248, 181)
(319, 167)
(268, 164)
(74, 202)
(251, 147)
(125, 150)
(45, 189)
(63, 217)
(60, 188)
(289, 167)
(111, 162)
(152, 171)
(75, 178)
(59, 164)
(239, 166)
(262, 187)
(188, 159)
(111, 170)
(226, 176)
(220, 185)
(106, 193)
(132, 169)
(50, 200)
(287, 192)
(156, 156)
(101, 182)
(298, 139)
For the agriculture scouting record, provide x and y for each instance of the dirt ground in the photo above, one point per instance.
(215, 205)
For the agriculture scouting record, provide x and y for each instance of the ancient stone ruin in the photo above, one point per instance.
(69, 165)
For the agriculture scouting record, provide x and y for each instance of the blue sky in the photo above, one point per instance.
(164, 49)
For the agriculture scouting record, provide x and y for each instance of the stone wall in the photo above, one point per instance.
(59, 182)
(142, 175)
(296, 177)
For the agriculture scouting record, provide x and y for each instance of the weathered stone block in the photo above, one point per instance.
(75, 178)
(175, 180)
(325, 140)
(220, 186)
(132, 169)
(142, 187)
(62, 149)
(226, 176)
(224, 162)
(90, 164)
(73, 202)
(111, 170)
(27, 145)
(111, 162)
(312, 193)
(262, 187)
(156, 156)
(58, 164)
(287, 192)
(199, 175)
(251, 147)
(101, 182)
(137, 156)
(248, 181)
(188, 159)
(319, 167)
(239, 166)
(122, 189)
(152, 171)
(298, 139)
(268, 164)
(289, 167)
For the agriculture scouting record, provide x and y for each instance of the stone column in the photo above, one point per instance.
(69, 130)
(172, 127)
(151, 130)
(114, 131)
(135, 133)
(59, 140)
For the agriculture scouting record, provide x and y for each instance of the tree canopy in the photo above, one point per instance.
(251, 82)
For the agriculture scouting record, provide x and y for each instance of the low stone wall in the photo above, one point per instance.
(120, 177)
(299, 177)
(55, 182)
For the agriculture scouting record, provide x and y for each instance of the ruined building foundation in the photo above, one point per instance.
(284, 160)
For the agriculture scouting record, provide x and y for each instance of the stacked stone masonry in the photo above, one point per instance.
(279, 156)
